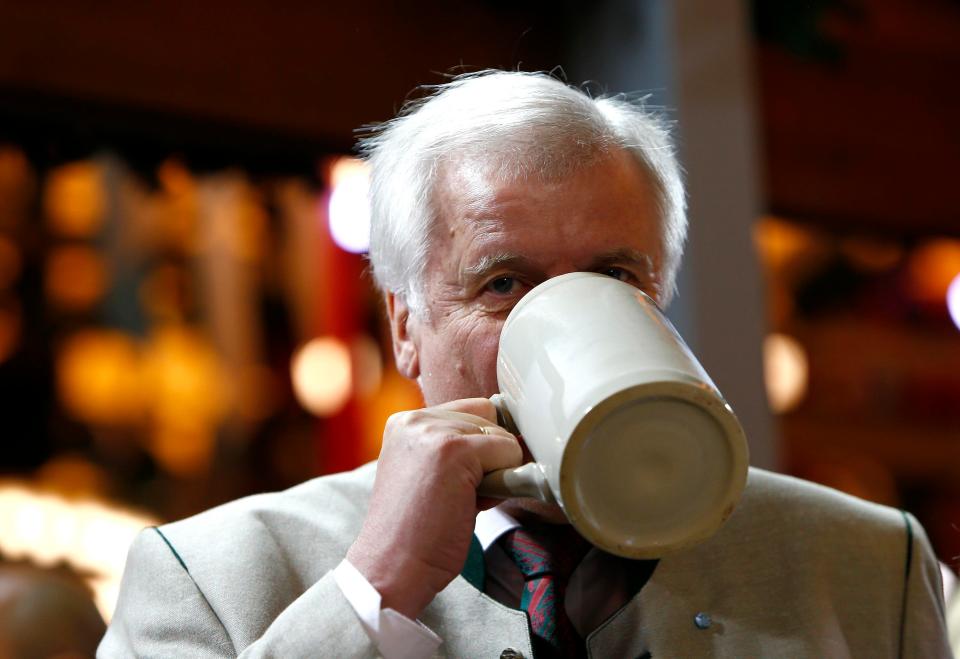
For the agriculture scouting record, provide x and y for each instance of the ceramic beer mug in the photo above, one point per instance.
(629, 434)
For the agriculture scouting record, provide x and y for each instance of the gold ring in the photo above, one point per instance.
(485, 430)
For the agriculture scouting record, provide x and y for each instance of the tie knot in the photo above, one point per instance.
(545, 549)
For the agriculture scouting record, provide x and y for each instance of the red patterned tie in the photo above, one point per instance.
(546, 556)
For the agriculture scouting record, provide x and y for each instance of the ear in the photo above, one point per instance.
(404, 331)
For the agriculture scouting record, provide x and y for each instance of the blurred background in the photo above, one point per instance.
(185, 314)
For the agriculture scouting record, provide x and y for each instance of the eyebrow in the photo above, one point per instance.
(510, 261)
(490, 263)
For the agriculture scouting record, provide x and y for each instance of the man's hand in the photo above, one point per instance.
(418, 529)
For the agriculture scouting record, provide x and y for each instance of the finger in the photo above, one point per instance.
(495, 451)
(478, 425)
(481, 407)
(473, 424)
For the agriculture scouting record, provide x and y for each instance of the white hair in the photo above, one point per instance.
(517, 125)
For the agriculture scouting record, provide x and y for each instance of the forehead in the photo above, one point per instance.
(606, 205)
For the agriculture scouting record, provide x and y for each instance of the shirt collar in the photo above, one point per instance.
(491, 524)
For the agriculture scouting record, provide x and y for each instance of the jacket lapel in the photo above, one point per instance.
(472, 624)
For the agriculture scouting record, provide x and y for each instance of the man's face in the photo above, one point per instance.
(493, 242)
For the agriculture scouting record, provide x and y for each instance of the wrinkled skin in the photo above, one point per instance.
(491, 244)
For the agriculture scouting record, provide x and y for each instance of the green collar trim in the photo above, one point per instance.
(473, 568)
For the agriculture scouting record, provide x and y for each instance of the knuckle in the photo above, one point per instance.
(404, 419)
(416, 416)
(396, 419)
(451, 445)
(435, 429)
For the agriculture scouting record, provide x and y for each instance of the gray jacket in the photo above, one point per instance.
(799, 570)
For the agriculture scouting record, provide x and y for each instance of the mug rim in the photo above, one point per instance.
(547, 284)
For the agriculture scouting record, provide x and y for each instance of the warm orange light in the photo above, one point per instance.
(174, 385)
(75, 199)
(787, 248)
(240, 223)
(183, 447)
(786, 372)
(75, 277)
(183, 373)
(186, 400)
(931, 269)
(396, 394)
(175, 178)
(72, 475)
(234, 218)
(322, 375)
(870, 254)
(98, 377)
(177, 208)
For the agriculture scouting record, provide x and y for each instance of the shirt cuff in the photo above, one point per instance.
(395, 635)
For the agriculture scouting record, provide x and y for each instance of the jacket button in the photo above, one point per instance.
(511, 653)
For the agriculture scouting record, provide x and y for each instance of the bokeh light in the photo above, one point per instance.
(349, 206)
(786, 372)
(75, 199)
(932, 267)
(322, 375)
(98, 377)
(174, 385)
(248, 235)
(396, 394)
(175, 178)
(72, 474)
(232, 219)
(953, 300)
(186, 398)
(177, 221)
(787, 248)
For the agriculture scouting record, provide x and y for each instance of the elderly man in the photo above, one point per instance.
(494, 184)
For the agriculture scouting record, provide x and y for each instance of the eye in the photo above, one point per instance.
(616, 273)
(503, 285)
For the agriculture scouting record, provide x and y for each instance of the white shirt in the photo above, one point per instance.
(597, 588)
